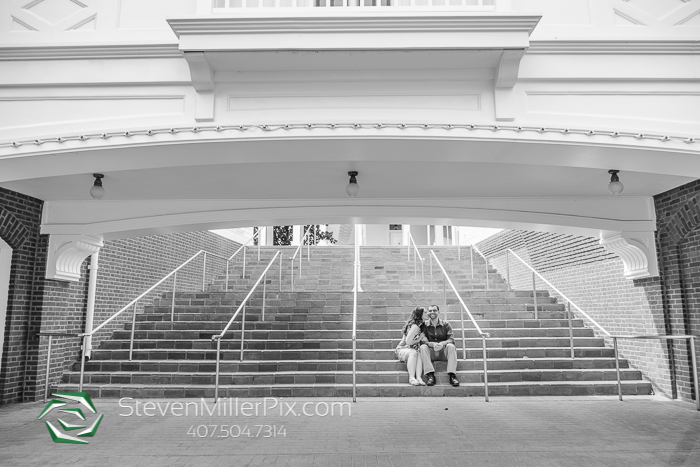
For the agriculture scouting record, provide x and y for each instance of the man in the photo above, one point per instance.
(440, 346)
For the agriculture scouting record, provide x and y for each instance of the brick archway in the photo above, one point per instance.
(12, 230)
(684, 222)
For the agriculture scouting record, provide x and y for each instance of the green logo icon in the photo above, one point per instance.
(63, 399)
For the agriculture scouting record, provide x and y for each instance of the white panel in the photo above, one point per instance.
(55, 11)
(684, 108)
(5, 260)
(656, 8)
(451, 102)
(21, 112)
(692, 21)
(624, 21)
(20, 26)
(568, 12)
(151, 14)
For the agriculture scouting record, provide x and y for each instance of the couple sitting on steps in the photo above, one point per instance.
(424, 342)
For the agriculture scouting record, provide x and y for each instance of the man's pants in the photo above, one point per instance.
(447, 353)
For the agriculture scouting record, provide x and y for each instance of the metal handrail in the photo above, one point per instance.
(487, 265)
(172, 274)
(308, 255)
(484, 335)
(51, 335)
(355, 289)
(667, 337)
(242, 306)
(242, 247)
(560, 293)
(415, 267)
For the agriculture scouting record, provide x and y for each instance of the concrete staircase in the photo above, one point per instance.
(304, 346)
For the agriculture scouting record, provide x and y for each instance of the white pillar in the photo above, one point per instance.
(262, 236)
(427, 234)
(439, 235)
(90, 315)
(296, 235)
(406, 230)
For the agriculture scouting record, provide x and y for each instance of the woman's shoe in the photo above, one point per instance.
(413, 382)
(420, 382)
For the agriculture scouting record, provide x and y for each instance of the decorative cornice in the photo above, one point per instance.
(357, 23)
(86, 52)
(615, 46)
(637, 252)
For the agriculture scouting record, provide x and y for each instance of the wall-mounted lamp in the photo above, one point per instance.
(615, 186)
(353, 188)
(97, 191)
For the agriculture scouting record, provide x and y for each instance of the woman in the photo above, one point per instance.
(408, 349)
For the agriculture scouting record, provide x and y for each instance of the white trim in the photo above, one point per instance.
(5, 263)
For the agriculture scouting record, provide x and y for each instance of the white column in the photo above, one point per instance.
(439, 235)
(90, 314)
(427, 234)
(262, 236)
(406, 231)
(296, 235)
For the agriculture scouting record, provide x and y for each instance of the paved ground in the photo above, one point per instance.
(542, 431)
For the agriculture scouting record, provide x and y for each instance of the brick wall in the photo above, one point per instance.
(591, 278)
(20, 217)
(126, 269)
(678, 221)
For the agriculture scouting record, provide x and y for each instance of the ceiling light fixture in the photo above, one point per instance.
(615, 186)
(97, 191)
(353, 188)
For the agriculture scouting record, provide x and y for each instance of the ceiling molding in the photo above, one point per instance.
(584, 46)
(87, 52)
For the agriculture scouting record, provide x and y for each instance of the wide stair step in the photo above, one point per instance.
(303, 344)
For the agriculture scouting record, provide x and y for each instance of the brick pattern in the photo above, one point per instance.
(20, 217)
(591, 278)
(126, 268)
(678, 220)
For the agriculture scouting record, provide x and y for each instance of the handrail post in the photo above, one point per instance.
(258, 244)
(534, 293)
(243, 330)
(471, 259)
(571, 329)
(431, 273)
(422, 274)
(244, 252)
(133, 327)
(172, 302)
(464, 334)
(204, 272)
(226, 287)
(415, 266)
(82, 362)
(280, 273)
(617, 369)
(216, 378)
(444, 290)
(693, 360)
(291, 264)
(264, 295)
(508, 268)
(301, 256)
(48, 368)
(486, 373)
(487, 273)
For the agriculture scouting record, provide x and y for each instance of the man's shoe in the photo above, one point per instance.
(453, 380)
(430, 379)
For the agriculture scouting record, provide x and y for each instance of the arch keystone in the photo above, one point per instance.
(67, 253)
